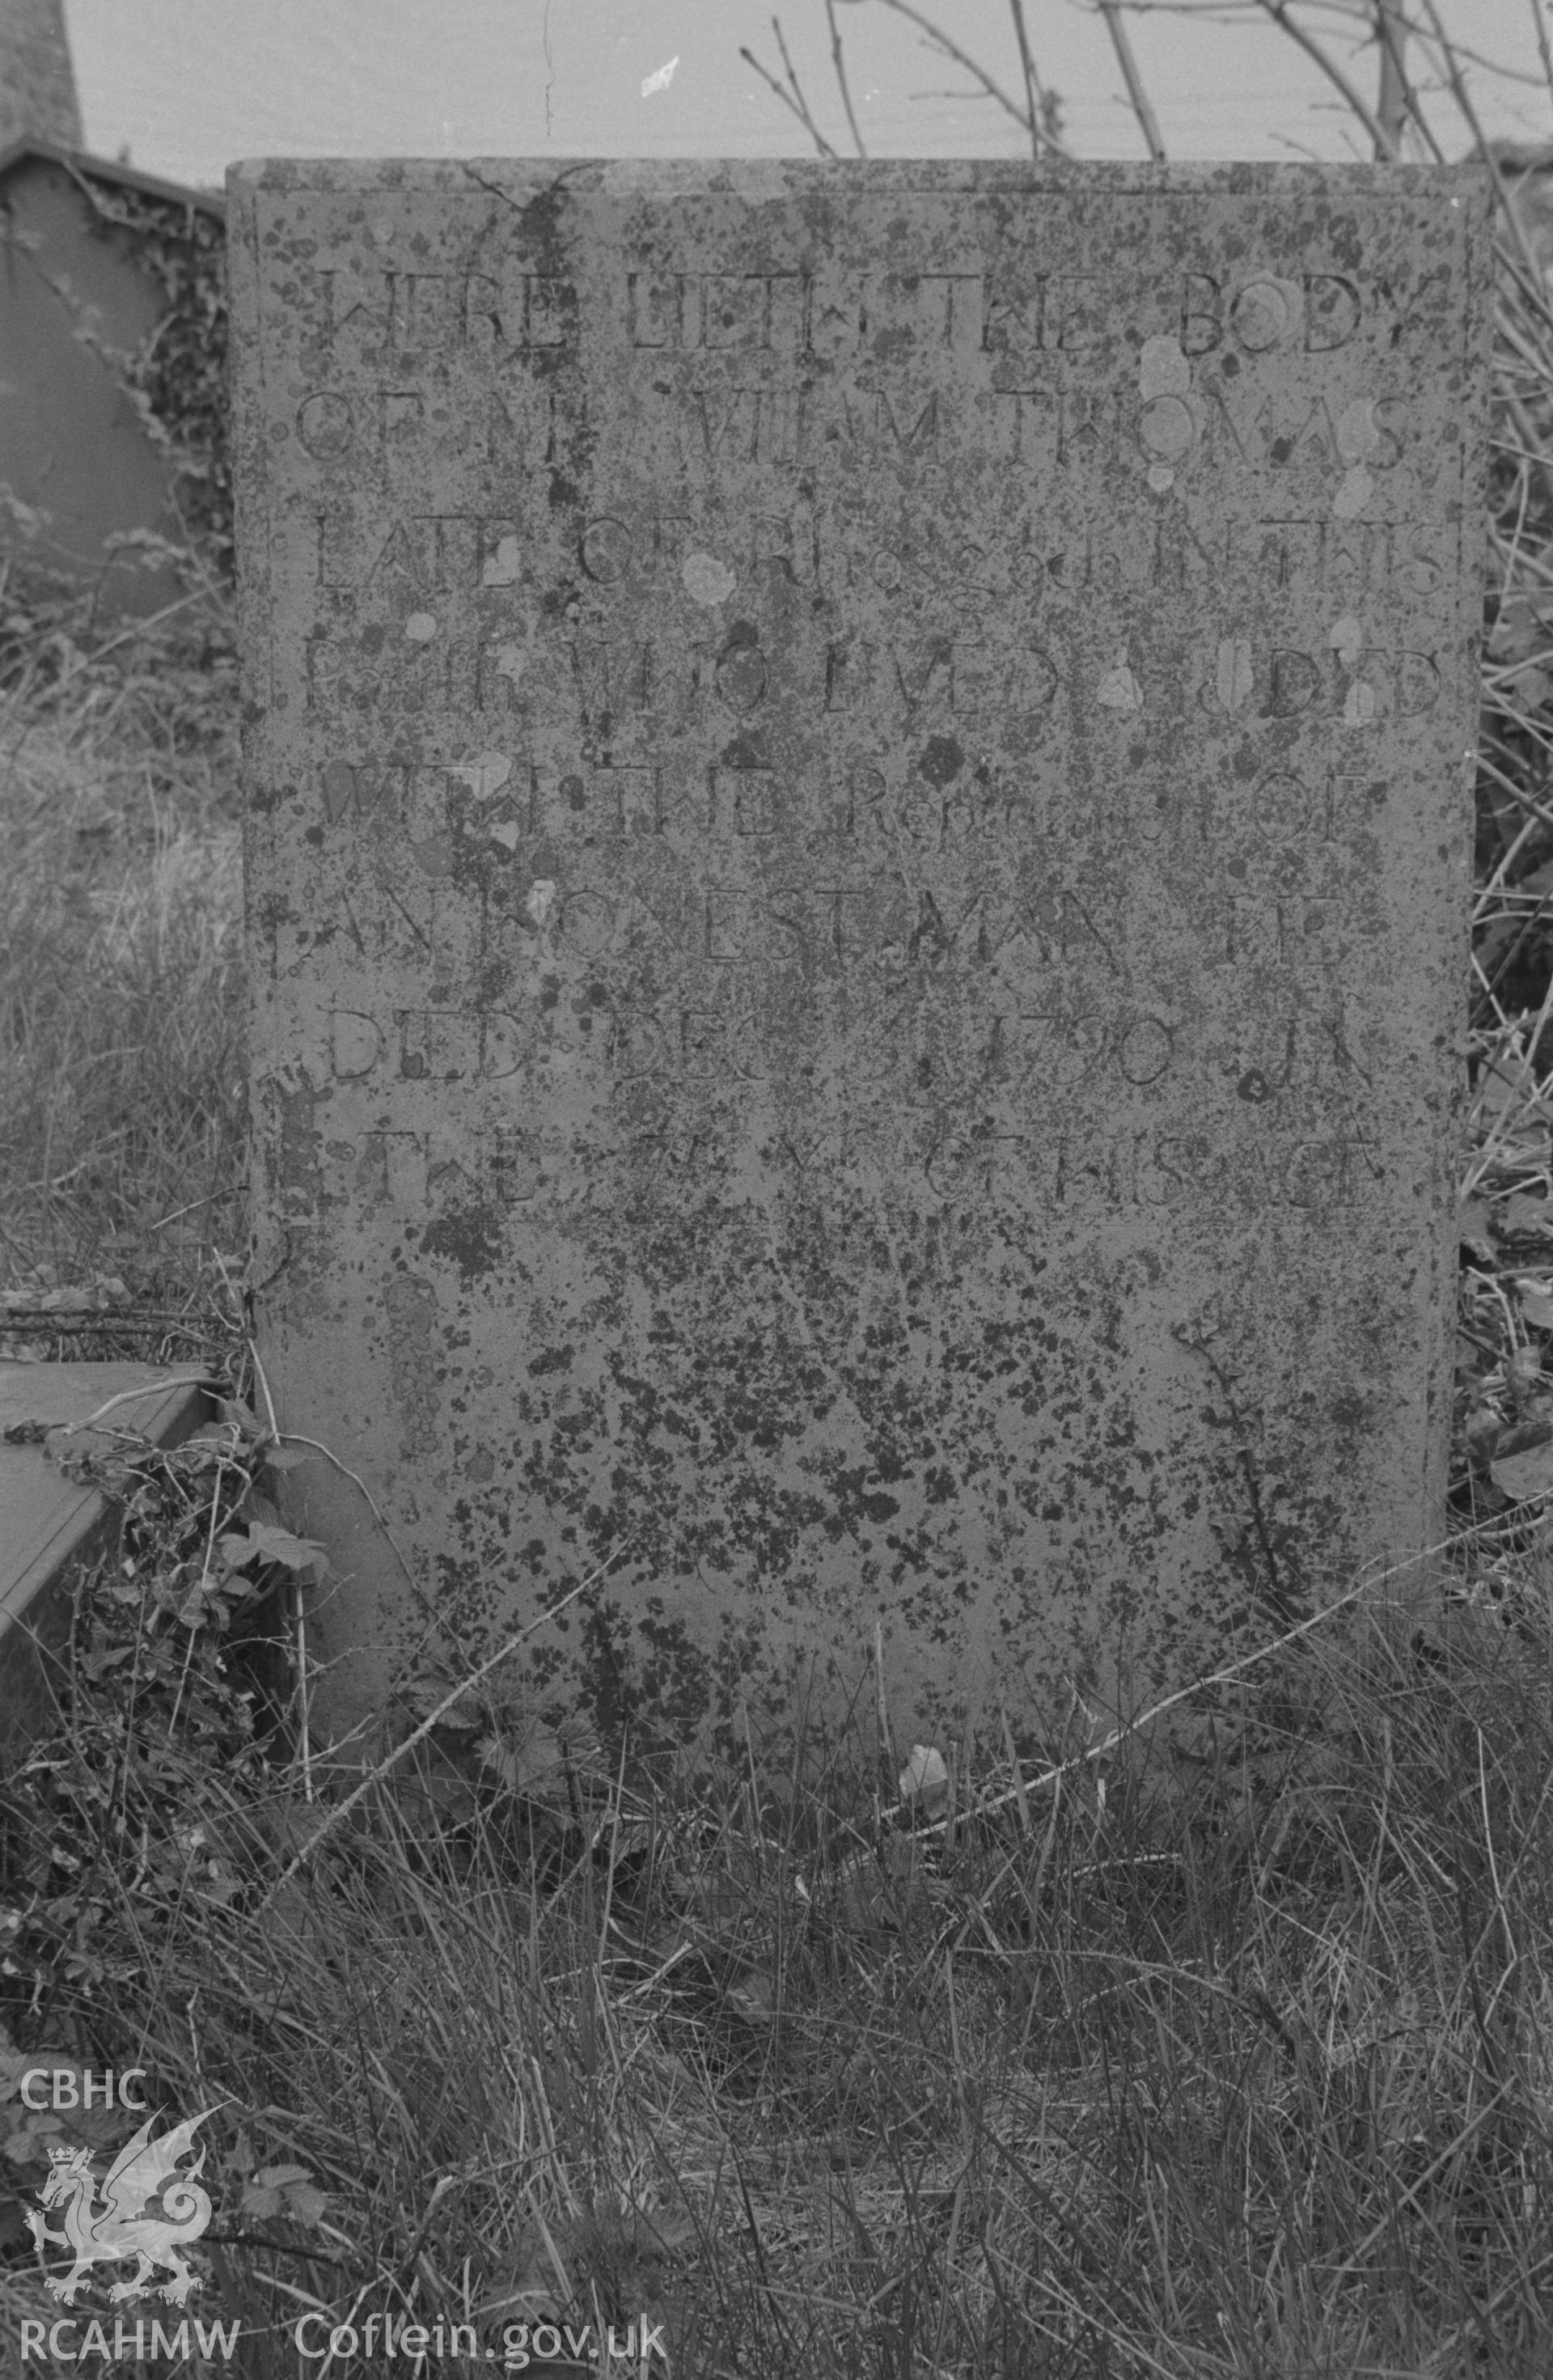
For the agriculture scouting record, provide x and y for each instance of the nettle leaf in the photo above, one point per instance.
(523, 1764)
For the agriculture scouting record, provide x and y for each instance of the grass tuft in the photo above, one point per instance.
(122, 1043)
(1249, 2078)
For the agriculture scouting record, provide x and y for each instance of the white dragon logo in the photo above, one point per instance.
(120, 2226)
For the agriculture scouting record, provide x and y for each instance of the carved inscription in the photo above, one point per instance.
(385, 313)
(858, 803)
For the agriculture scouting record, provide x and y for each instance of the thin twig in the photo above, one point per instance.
(304, 1732)
(1540, 22)
(803, 108)
(1463, 98)
(988, 1804)
(1391, 107)
(994, 89)
(1034, 95)
(1407, 98)
(130, 1396)
(882, 1705)
(1278, 11)
(839, 62)
(193, 1625)
(1143, 107)
(294, 1437)
(806, 114)
(788, 101)
(230, 1191)
(375, 1776)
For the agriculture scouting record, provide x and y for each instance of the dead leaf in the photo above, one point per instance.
(925, 1773)
(753, 1997)
(1473, 1229)
(863, 1899)
(1523, 1217)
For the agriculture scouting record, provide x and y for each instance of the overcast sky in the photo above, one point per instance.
(187, 85)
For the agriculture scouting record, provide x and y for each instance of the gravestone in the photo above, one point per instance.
(857, 864)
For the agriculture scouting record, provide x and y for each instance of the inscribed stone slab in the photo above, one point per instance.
(858, 858)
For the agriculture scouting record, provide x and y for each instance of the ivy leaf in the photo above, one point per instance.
(241, 1416)
(97, 1665)
(283, 2190)
(1537, 1303)
(522, 1766)
(1522, 1475)
(190, 1612)
(263, 1542)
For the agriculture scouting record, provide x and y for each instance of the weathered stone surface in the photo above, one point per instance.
(858, 871)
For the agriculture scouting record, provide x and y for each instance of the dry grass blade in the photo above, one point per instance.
(122, 1063)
